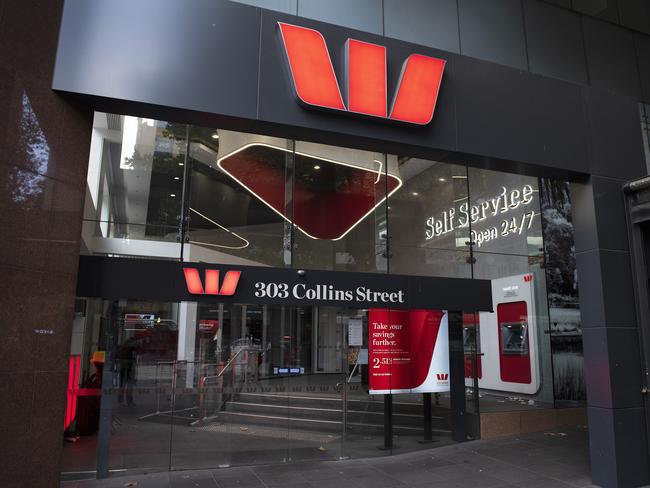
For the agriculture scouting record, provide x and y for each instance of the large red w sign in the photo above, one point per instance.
(366, 92)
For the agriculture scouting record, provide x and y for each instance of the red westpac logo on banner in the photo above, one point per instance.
(365, 85)
(442, 376)
(195, 285)
(528, 278)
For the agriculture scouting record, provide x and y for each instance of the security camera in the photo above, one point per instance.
(301, 272)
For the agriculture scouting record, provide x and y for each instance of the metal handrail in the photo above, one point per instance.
(230, 361)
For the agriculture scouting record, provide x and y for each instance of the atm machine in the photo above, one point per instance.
(507, 339)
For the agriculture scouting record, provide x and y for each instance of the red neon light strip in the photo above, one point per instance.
(418, 89)
(366, 78)
(68, 405)
(77, 372)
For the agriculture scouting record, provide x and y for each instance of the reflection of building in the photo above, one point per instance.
(180, 141)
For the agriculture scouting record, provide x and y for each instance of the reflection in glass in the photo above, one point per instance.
(227, 222)
(563, 298)
(427, 235)
(28, 185)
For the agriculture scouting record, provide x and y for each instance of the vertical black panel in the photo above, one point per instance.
(635, 14)
(609, 205)
(592, 309)
(554, 40)
(642, 44)
(286, 6)
(618, 447)
(610, 57)
(597, 374)
(560, 3)
(606, 295)
(612, 367)
(584, 217)
(603, 9)
(493, 31)
(618, 291)
(615, 135)
(625, 367)
(514, 115)
(431, 23)
(364, 15)
(457, 376)
(161, 52)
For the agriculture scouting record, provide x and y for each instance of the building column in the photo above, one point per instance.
(44, 141)
(617, 432)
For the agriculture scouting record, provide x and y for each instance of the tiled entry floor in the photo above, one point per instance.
(551, 459)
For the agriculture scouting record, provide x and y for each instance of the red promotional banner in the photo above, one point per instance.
(408, 351)
(209, 326)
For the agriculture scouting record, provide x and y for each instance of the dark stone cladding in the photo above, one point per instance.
(43, 164)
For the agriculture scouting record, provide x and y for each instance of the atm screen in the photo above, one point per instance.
(514, 338)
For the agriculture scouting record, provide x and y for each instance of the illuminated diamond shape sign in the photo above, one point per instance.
(330, 197)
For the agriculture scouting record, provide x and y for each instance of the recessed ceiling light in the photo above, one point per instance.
(316, 167)
(415, 194)
(172, 195)
(177, 177)
(442, 179)
(180, 164)
(215, 136)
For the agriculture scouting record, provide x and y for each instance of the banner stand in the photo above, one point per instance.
(426, 421)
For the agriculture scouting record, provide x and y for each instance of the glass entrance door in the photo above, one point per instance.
(265, 384)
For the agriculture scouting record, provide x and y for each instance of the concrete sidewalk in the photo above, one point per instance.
(552, 459)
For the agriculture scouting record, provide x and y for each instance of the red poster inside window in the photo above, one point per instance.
(408, 351)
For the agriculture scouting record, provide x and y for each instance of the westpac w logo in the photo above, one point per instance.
(442, 376)
(195, 285)
(366, 92)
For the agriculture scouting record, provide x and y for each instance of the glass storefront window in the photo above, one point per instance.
(211, 384)
(238, 198)
(429, 233)
(135, 186)
(339, 207)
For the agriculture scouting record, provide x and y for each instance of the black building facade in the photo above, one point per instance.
(198, 156)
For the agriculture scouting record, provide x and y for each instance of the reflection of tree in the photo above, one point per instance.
(562, 287)
(558, 242)
(28, 185)
(138, 160)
